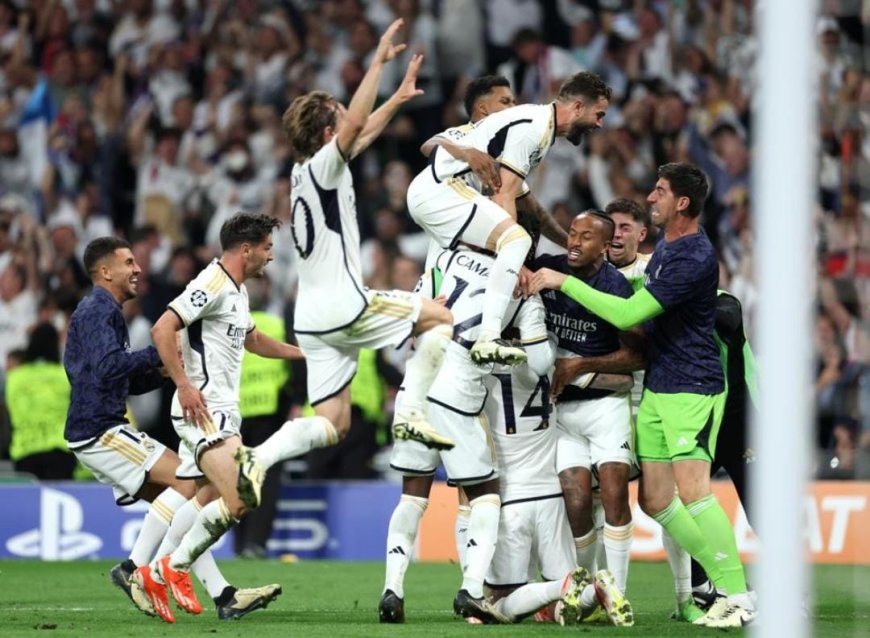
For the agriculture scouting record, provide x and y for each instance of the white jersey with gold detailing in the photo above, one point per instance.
(217, 318)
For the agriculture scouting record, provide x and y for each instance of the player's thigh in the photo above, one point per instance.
(472, 460)
(164, 473)
(608, 428)
(555, 544)
(224, 423)
(122, 458)
(510, 562)
(572, 445)
(442, 210)
(330, 368)
(650, 435)
(691, 424)
(487, 223)
(337, 410)
(387, 321)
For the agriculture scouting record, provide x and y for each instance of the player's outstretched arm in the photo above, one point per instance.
(265, 346)
(192, 402)
(378, 120)
(352, 124)
(549, 228)
(622, 313)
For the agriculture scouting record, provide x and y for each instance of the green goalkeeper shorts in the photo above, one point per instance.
(680, 426)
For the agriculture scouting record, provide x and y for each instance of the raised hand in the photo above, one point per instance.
(408, 88)
(386, 49)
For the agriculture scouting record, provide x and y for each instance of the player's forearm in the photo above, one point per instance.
(620, 361)
(360, 107)
(622, 313)
(265, 346)
(612, 382)
(165, 340)
(549, 227)
(375, 125)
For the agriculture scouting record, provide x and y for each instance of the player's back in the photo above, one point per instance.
(326, 237)
(518, 409)
(459, 382)
(519, 137)
(217, 318)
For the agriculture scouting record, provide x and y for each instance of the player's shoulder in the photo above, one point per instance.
(212, 280)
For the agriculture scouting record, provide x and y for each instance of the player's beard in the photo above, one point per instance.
(577, 133)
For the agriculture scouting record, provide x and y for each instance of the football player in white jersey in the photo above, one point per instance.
(451, 209)
(533, 527)
(456, 404)
(336, 315)
(485, 95)
(216, 327)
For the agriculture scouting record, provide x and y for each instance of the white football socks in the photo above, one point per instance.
(681, 567)
(460, 532)
(295, 438)
(617, 545)
(482, 534)
(401, 536)
(154, 526)
(511, 250)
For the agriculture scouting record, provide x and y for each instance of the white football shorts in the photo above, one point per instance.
(532, 532)
(121, 458)
(331, 358)
(594, 432)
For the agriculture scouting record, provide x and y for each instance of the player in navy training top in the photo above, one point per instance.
(594, 412)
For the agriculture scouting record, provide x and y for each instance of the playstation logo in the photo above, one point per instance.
(59, 536)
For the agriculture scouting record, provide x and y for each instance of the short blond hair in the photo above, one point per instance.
(304, 120)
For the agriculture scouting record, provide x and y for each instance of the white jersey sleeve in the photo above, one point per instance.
(201, 298)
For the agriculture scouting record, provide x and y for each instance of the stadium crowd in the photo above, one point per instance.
(156, 120)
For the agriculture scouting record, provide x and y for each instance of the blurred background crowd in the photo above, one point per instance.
(155, 120)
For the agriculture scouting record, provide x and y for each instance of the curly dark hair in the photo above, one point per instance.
(687, 180)
(584, 84)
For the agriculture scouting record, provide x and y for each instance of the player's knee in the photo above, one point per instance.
(185, 487)
(514, 237)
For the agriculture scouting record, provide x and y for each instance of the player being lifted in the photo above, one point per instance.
(451, 205)
(484, 96)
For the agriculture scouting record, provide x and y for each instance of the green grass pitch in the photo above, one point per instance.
(336, 600)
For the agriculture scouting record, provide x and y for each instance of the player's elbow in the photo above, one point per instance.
(541, 358)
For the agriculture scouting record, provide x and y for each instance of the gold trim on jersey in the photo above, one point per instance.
(533, 340)
(381, 306)
(217, 282)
